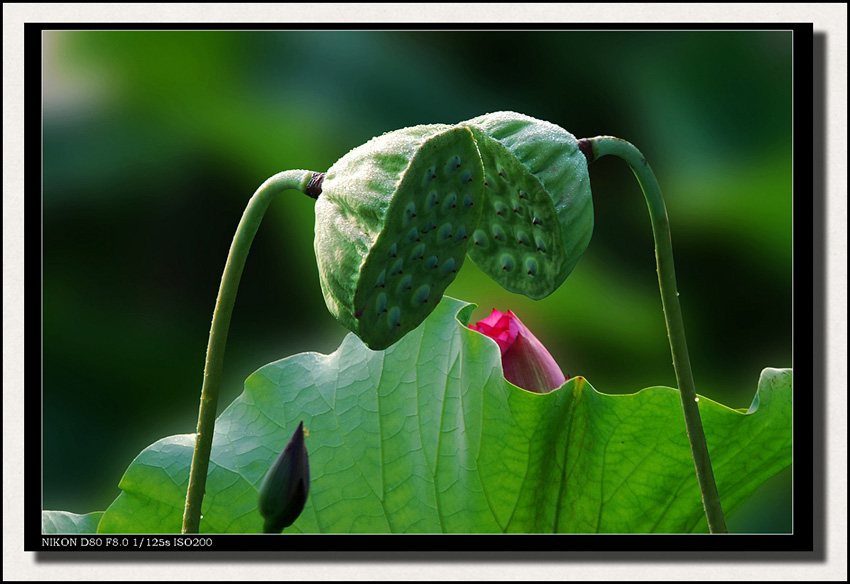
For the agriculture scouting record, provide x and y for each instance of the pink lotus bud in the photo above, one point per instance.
(525, 360)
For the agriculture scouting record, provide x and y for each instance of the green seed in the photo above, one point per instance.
(404, 284)
(480, 238)
(449, 203)
(444, 234)
(420, 297)
(431, 262)
(448, 267)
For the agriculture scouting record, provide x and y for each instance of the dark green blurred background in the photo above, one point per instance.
(154, 141)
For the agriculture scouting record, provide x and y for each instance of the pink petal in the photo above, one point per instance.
(529, 365)
(525, 361)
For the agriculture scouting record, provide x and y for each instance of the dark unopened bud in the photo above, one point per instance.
(283, 492)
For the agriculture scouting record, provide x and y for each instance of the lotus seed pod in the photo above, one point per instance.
(538, 214)
(393, 224)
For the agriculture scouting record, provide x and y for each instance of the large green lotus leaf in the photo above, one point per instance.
(427, 436)
(63, 522)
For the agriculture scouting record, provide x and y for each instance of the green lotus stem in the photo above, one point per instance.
(601, 146)
(308, 183)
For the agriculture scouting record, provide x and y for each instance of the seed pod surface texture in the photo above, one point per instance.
(538, 214)
(393, 224)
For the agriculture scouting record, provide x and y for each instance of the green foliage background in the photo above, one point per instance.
(153, 142)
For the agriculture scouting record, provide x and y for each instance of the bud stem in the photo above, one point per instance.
(308, 183)
(600, 146)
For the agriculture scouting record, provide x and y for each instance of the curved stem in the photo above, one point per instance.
(308, 183)
(602, 146)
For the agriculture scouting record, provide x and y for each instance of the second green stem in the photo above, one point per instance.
(304, 181)
(602, 146)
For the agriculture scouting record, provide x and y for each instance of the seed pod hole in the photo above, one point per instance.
(418, 252)
(452, 165)
(498, 233)
(448, 267)
(522, 238)
(420, 297)
(430, 175)
(405, 284)
(449, 203)
(381, 303)
(541, 245)
(397, 267)
(409, 213)
(381, 281)
(444, 233)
